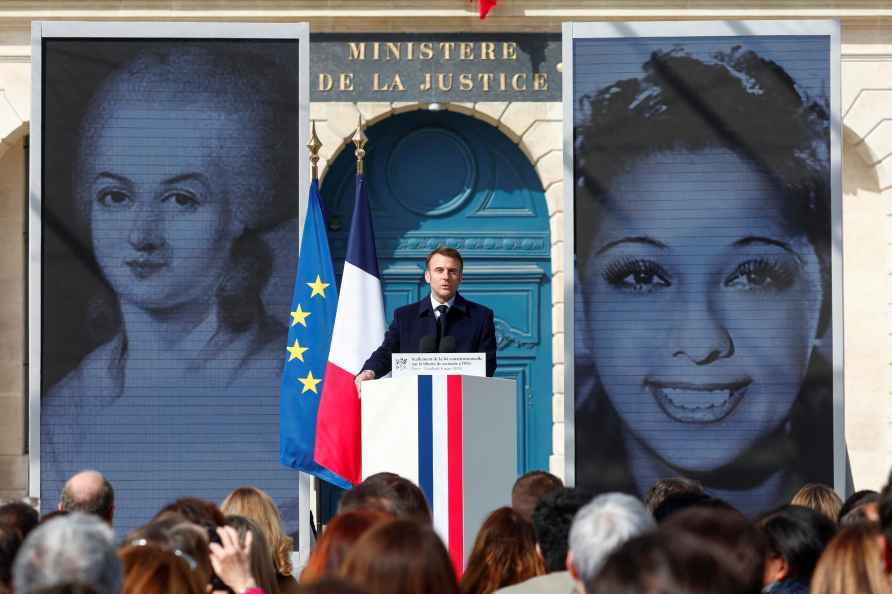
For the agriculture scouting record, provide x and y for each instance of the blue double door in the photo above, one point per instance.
(442, 178)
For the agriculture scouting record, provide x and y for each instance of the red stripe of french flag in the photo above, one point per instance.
(358, 330)
(455, 472)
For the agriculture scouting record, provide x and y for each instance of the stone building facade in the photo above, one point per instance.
(536, 128)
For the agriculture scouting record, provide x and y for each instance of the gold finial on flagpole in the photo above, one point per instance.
(314, 145)
(360, 140)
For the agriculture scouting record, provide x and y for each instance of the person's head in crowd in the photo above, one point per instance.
(727, 530)
(391, 493)
(600, 527)
(335, 542)
(820, 498)
(262, 567)
(663, 563)
(552, 519)
(861, 506)
(172, 532)
(20, 517)
(401, 557)
(529, 489)
(795, 536)
(77, 547)
(852, 563)
(89, 492)
(10, 541)
(667, 487)
(198, 511)
(149, 569)
(331, 585)
(682, 501)
(255, 504)
(504, 554)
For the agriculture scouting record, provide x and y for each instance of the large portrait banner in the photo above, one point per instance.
(702, 176)
(167, 165)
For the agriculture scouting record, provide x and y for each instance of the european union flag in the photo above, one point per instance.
(313, 307)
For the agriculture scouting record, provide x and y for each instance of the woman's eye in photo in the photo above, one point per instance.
(636, 275)
(183, 200)
(113, 198)
(762, 275)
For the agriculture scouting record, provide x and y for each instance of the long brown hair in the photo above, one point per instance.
(401, 557)
(153, 570)
(504, 554)
(336, 541)
(852, 562)
(262, 567)
(256, 505)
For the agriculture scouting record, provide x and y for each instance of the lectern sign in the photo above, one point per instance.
(439, 364)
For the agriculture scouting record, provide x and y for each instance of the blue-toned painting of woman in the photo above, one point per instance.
(702, 196)
(187, 154)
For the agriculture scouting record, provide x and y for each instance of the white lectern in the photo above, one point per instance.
(455, 436)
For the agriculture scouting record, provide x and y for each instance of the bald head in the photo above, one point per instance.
(88, 491)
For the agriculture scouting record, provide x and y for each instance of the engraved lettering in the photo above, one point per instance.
(441, 81)
(509, 50)
(346, 81)
(446, 48)
(325, 82)
(487, 50)
(519, 81)
(540, 81)
(426, 50)
(466, 50)
(393, 51)
(356, 51)
(486, 80)
(426, 83)
(465, 82)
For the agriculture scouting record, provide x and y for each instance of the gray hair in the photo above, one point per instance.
(77, 547)
(601, 526)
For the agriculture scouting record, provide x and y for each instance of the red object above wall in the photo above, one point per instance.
(485, 7)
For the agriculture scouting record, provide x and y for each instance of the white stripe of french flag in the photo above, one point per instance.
(358, 330)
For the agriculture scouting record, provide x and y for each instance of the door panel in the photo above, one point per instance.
(441, 178)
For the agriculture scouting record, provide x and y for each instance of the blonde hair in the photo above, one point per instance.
(820, 498)
(256, 505)
(852, 562)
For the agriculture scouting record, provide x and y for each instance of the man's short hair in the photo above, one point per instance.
(449, 253)
(77, 547)
(552, 519)
(390, 493)
(667, 487)
(529, 489)
(100, 502)
(601, 526)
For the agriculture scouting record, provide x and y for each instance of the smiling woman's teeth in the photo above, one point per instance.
(697, 398)
(698, 405)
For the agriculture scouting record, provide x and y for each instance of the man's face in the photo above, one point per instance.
(443, 274)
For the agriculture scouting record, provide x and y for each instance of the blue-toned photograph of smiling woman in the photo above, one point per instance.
(702, 293)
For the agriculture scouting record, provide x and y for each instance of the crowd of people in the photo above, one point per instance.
(551, 539)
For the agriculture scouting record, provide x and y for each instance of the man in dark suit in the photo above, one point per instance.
(467, 327)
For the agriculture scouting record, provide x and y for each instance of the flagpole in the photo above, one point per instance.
(360, 140)
(308, 489)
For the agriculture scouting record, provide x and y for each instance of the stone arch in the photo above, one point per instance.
(537, 129)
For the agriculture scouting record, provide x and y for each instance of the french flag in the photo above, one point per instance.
(358, 330)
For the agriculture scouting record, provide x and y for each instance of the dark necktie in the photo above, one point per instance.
(441, 322)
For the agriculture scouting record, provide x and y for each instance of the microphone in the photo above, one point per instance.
(427, 344)
(447, 344)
